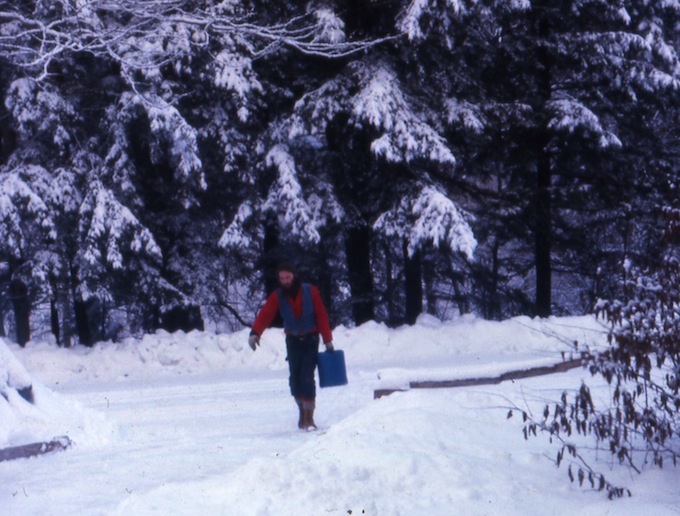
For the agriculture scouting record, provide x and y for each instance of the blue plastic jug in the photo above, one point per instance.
(332, 371)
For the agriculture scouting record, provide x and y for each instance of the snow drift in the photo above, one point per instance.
(31, 413)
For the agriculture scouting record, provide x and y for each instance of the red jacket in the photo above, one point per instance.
(271, 308)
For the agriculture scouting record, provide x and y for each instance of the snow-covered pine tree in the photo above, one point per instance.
(40, 133)
(373, 132)
(25, 227)
(541, 100)
(63, 191)
(288, 206)
(166, 93)
(425, 218)
(297, 219)
(110, 238)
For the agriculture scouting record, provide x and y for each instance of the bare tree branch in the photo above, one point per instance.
(139, 34)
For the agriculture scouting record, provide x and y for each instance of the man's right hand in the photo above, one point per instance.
(254, 341)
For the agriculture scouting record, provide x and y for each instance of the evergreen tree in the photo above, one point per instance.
(374, 134)
(25, 225)
(424, 219)
(152, 110)
(542, 91)
(185, 147)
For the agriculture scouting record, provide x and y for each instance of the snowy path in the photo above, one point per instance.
(181, 431)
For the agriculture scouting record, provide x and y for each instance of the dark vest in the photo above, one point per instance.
(305, 324)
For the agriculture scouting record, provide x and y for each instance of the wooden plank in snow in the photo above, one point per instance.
(491, 380)
(33, 449)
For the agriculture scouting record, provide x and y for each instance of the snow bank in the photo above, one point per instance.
(466, 346)
(42, 415)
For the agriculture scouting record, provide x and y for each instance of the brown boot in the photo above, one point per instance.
(308, 417)
(301, 419)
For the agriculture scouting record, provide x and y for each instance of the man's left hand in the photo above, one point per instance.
(329, 346)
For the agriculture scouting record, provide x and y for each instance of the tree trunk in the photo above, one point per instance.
(270, 256)
(430, 287)
(494, 310)
(64, 291)
(325, 276)
(54, 320)
(55, 301)
(463, 301)
(543, 210)
(18, 293)
(543, 239)
(83, 328)
(413, 277)
(390, 289)
(358, 251)
(7, 136)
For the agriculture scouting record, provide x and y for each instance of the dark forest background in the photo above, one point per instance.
(158, 158)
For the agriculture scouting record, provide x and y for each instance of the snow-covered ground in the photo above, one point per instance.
(199, 424)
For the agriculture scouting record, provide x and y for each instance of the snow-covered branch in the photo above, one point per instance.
(109, 230)
(286, 198)
(428, 218)
(149, 33)
(20, 208)
(374, 98)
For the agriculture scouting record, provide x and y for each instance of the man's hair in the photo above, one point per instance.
(287, 267)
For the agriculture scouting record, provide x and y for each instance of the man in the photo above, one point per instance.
(304, 318)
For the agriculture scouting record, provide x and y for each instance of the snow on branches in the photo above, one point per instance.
(569, 115)
(22, 210)
(428, 217)
(418, 10)
(237, 236)
(40, 111)
(175, 135)
(301, 212)
(466, 115)
(286, 198)
(172, 138)
(405, 136)
(234, 72)
(110, 231)
(423, 17)
(331, 29)
(144, 35)
(372, 96)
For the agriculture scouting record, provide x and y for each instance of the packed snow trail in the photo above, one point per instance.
(181, 430)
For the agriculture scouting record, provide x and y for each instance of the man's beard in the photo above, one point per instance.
(293, 289)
